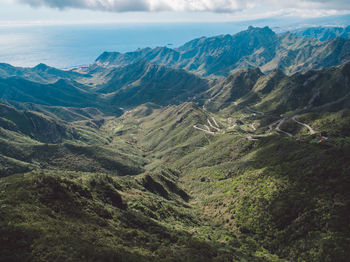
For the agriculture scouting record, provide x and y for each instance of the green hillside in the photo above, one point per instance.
(148, 162)
(61, 93)
(143, 82)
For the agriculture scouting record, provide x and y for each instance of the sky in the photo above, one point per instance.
(47, 12)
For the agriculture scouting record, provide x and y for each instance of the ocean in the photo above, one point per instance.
(74, 45)
(67, 46)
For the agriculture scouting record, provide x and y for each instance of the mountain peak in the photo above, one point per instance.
(106, 56)
(41, 67)
(266, 29)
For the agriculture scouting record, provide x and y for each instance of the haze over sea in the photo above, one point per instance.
(72, 45)
(65, 46)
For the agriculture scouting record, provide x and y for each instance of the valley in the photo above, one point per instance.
(231, 148)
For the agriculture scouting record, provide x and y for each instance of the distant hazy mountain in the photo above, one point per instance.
(40, 73)
(323, 33)
(255, 47)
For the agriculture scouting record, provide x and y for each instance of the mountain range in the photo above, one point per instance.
(256, 47)
(323, 33)
(228, 148)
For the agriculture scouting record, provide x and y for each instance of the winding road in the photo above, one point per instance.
(312, 132)
(254, 111)
(278, 128)
(215, 123)
(205, 131)
(274, 124)
(212, 126)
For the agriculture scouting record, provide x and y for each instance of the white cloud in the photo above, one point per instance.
(144, 5)
(225, 6)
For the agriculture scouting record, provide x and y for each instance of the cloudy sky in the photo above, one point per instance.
(95, 11)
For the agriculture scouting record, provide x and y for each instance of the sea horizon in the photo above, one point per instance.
(74, 45)
(66, 46)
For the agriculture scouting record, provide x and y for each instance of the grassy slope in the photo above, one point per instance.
(32, 140)
(196, 196)
(69, 216)
(152, 222)
(290, 197)
(287, 195)
(143, 82)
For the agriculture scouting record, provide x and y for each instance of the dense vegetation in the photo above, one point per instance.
(144, 162)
